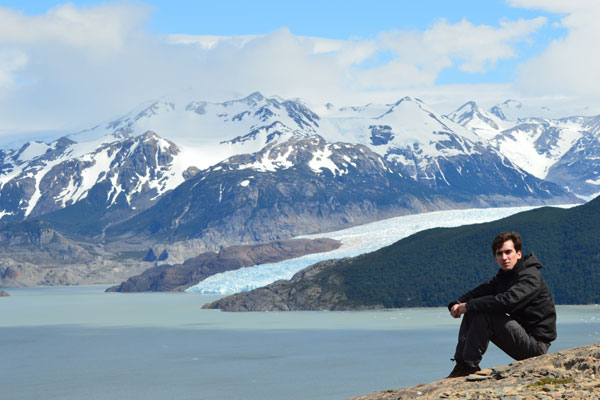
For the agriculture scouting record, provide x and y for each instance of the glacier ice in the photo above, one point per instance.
(355, 241)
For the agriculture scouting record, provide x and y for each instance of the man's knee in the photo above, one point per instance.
(478, 318)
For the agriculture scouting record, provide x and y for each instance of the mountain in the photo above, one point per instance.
(127, 175)
(208, 133)
(259, 154)
(307, 185)
(562, 151)
(303, 185)
(483, 123)
(434, 266)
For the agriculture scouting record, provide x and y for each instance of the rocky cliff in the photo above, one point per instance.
(569, 374)
(181, 276)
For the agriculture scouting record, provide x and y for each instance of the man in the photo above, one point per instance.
(514, 310)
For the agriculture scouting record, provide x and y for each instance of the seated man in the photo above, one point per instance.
(514, 310)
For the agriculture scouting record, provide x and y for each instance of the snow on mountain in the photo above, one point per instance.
(211, 132)
(510, 110)
(536, 144)
(381, 127)
(579, 168)
(550, 149)
(297, 186)
(355, 241)
(31, 182)
(138, 169)
(485, 124)
(433, 149)
(418, 143)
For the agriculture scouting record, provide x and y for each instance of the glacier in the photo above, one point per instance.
(355, 241)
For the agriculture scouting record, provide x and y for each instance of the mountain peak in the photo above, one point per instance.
(254, 98)
(468, 106)
(407, 99)
(507, 110)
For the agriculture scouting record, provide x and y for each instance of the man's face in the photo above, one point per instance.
(506, 256)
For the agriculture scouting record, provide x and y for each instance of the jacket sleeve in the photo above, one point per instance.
(517, 295)
(486, 288)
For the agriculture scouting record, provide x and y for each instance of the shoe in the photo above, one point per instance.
(462, 369)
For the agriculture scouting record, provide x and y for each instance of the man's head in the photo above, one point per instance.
(507, 249)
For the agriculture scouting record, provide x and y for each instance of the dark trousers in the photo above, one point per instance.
(477, 329)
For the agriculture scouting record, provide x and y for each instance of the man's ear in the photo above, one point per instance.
(519, 255)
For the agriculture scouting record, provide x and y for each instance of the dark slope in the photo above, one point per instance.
(435, 266)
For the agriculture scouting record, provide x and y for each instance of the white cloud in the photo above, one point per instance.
(73, 67)
(99, 28)
(421, 56)
(569, 66)
(10, 62)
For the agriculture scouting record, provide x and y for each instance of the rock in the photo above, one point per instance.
(3, 294)
(150, 256)
(11, 273)
(521, 380)
(179, 277)
(474, 378)
(480, 375)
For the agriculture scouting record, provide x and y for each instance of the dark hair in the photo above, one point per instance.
(504, 237)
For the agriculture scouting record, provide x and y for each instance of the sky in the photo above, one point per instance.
(65, 67)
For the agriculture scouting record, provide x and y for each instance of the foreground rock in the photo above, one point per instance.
(305, 291)
(179, 277)
(569, 374)
(3, 293)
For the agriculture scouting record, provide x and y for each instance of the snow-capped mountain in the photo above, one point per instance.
(562, 150)
(208, 133)
(120, 168)
(483, 123)
(298, 186)
(306, 185)
(133, 172)
(418, 142)
(579, 168)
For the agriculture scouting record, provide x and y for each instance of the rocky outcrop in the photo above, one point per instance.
(37, 242)
(3, 293)
(305, 291)
(107, 271)
(179, 277)
(569, 374)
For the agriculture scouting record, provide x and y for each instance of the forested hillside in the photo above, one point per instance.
(435, 266)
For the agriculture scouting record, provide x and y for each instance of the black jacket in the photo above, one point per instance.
(521, 293)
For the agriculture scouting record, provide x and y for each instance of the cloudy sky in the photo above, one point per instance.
(69, 66)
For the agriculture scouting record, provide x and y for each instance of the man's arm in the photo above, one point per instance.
(486, 288)
(518, 294)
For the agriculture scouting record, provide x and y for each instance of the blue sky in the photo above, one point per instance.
(335, 19)
(66, 66)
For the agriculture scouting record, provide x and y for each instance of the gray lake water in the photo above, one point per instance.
(81, 343)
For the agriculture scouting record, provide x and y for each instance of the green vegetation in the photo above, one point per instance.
(433, 267)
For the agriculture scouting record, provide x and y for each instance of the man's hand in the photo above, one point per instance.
(458, 310)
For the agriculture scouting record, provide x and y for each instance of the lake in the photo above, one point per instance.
(81, 343)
